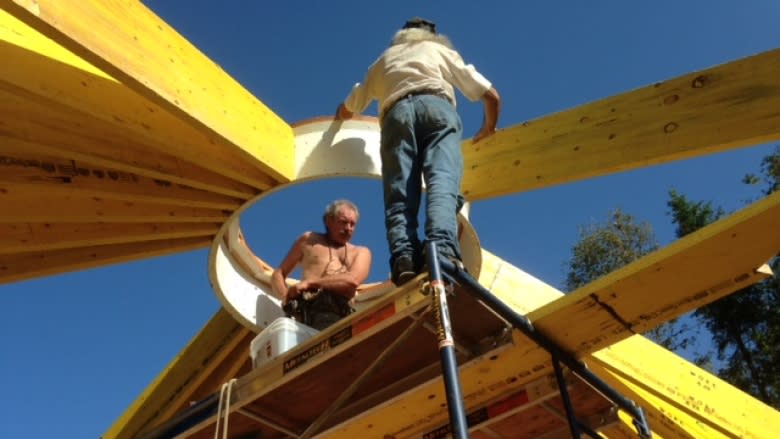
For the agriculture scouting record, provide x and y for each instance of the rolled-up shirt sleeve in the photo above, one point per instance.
(358, 99)
(466, 77)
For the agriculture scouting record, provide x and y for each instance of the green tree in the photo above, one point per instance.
(745, 326)
(602, 248)
(605, 247)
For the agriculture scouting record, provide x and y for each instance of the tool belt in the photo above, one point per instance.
(318, 309)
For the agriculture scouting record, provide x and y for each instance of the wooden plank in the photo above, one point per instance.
(40, 237)
(33, 174)
(729, 106)
(691, 272)
(196, 361)
(22, 266)
(91, 104)
(169, 169)
(678, 395)
(485, 379)
(143, 52)
(61, 205)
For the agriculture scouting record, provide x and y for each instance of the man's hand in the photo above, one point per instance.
(483, 133)
(342, 113)
(491, 103)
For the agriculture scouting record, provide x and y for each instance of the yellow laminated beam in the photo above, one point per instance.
(20, 266)
(34, 174)
(130, 43)
(40, 237)
(729, 106)
(21, 205)
(49, 89)
(689, 273)
(678, 395)
(126, 160)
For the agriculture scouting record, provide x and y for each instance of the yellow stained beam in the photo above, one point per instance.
(41, 237)
(485, 379)
(729, 106)
(693, 271)
(22, 266)
(63, 205)
(143, 52)
(132, 160)
(196, 361)
(50, 80)
(677, 393)
(35, 174)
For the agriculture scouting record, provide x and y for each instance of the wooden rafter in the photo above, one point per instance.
(729, 106)
(139, 49)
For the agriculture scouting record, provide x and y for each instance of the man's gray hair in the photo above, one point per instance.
(411, 35)
(333, 207)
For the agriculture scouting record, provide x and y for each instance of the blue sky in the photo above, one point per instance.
(78, 348)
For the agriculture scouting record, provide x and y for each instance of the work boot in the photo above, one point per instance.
(403, 270)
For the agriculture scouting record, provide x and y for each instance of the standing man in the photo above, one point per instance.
(421, 133)
(331, 269)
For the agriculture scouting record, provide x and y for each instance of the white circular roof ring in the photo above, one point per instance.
(324, 148)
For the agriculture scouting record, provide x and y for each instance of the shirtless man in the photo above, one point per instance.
(331, 267)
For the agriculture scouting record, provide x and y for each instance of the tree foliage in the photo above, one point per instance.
(605, 247)
(602, 248)
(745, 326)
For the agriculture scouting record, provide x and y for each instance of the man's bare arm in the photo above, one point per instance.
(491, 103)
(279, 276)
(344, 283)
(342, 113)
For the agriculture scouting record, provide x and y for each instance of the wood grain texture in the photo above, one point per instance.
(717, 260)
(43, 237)
(141, 51)
(20, 266)
(45, 98)
(729, 106)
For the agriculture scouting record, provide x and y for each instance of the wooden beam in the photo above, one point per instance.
(22, 266)
(42, 237)
(729, 106)
(32, 173)
(62, 205)
(78, 102)
(678, 395)
(142, 51)
(155, 166)
(195, 362)
(691, 272)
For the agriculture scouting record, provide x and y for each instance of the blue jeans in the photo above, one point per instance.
(420, 138)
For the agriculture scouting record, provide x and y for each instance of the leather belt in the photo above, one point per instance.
(438, 93)
(421, 92)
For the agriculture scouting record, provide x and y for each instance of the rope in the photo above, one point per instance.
(224, 396)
